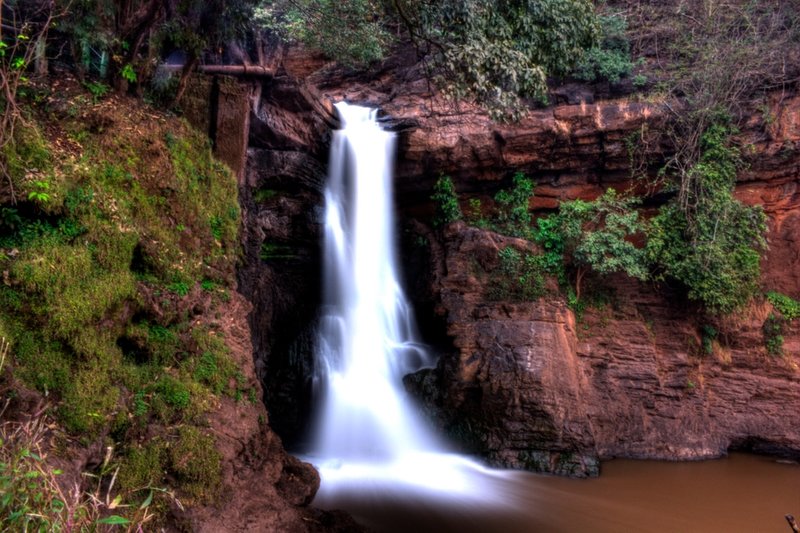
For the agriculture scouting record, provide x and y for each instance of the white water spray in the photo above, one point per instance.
(369, 433)
(367, 341)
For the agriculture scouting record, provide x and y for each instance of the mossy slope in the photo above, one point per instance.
(117, 259)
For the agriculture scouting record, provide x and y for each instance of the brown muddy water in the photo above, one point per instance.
(741, 493)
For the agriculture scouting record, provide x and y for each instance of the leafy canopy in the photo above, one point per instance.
(490, 51)
(712, 242)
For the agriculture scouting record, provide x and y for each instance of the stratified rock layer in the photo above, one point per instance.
(527, 384)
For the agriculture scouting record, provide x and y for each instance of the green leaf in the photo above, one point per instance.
(115, 503)
(114, 520)
(147, 501)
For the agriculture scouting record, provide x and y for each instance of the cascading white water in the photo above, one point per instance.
(367, 341)
(369, 434)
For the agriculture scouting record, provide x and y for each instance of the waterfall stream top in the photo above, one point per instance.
(370, 436)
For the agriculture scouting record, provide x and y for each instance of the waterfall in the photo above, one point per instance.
(368, 430)
(367, 336)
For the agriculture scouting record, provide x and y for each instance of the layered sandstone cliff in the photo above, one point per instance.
(529, 384)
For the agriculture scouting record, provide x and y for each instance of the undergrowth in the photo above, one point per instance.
(132, 228)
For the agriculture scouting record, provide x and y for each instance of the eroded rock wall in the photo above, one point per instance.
(525, 384)
(281, 194)
(528, 385)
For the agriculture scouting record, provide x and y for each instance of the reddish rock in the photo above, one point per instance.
(529, 386)
(525, 384)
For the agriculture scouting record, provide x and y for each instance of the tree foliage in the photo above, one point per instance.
(596, 236)
(513, 207)
(498, 52)
(493, 52)
(135, 33)
(446, 200)
(353, 32)
(610, 58)
(709, 241)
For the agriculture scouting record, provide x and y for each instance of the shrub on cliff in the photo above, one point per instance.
(446, 202)
(595, 236)
(706, 239)
(513, 207)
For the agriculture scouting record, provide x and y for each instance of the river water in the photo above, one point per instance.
(741, 493)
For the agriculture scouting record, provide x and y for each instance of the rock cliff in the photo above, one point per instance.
(526, 384)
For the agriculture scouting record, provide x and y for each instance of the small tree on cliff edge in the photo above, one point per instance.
(596, 236)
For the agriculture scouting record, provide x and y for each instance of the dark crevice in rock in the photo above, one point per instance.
(282, 201)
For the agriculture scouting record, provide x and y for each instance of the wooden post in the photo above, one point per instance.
(792, 523)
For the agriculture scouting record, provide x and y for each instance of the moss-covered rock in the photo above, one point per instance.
(117, 258)
(196, 463)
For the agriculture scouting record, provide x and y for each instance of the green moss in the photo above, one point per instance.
(143, 466)
(207, 371)
(214, 367)
(88, 400)
(208, 189)
(773, 330)
(215, 371)
(181, 288)
(41, 363)
(264, 195)
(5, 331)
(173, 392)
(103, 248)
(272, 251)
(195, 461)
(26, 153)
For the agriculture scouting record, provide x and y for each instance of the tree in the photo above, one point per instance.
(724, 55)
(354, 32)
(135, 33)
(596, 236)
(493, 52)
(499, 52)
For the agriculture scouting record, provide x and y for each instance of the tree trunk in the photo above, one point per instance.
(191, 64)
(40, 57)
(578, 278)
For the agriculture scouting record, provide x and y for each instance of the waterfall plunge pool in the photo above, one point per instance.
(738, 494)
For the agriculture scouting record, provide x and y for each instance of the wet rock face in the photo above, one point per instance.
(511, 389)
(281, 194)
